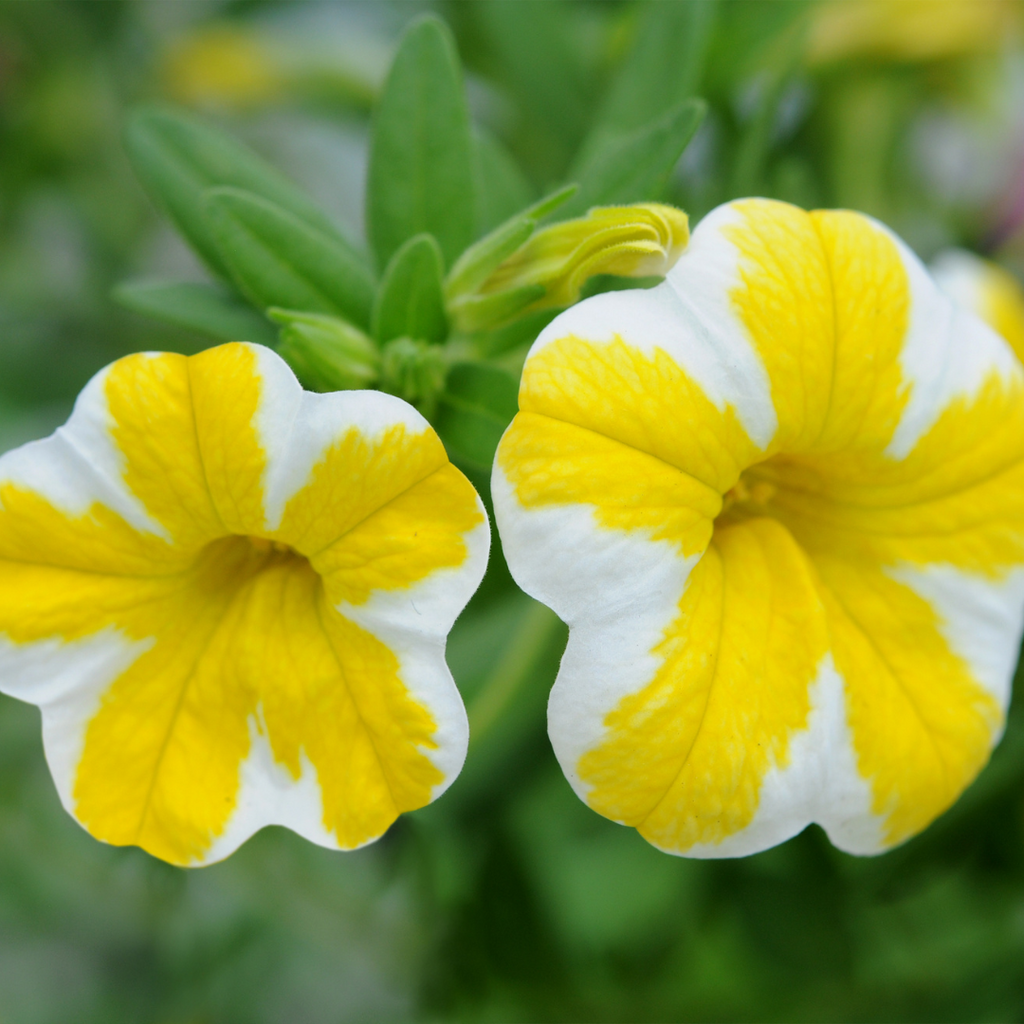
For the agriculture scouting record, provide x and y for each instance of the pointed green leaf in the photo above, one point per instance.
(477, 404)
(278, 260)
(751, 157)
(482, 258)
(501, 188)
(421, 163)
(536, 51)
(178, 156)
(635, 167)
(199, 307)
(663, 67)
(410, 300)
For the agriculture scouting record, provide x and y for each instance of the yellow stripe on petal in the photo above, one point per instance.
(685, 757)
(922, 726)
(1004, 307)
(657, 408)
(403, 541)
(559, 463)
(825, 299)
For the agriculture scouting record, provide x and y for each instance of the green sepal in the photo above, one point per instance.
(410, 299)
(421, 175)
(276, 259)
(326, 353)
(487, 312)
(178, 157)
(634, 167)
(205, 308)
(482, 258)
(476, 405)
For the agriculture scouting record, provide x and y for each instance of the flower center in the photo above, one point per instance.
(750, 496)
(266, 547)
(234, 563)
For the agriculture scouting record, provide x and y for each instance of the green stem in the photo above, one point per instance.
(538, 625)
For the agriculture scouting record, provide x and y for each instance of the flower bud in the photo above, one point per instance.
(327, 353)
(414, 371)
(641, 240)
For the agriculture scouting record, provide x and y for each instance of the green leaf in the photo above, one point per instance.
(501, 188)
(664, 65)
(178, 157)
(751, 156)
(536, 49)
(482, 258)
(421, 160)
(199, 307)
(635, 167)
(477, 404)
(410, 300)
(276, 259)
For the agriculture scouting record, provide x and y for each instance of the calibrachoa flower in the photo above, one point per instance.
(985, 288)
(779, 500)
(230, 598)
(910, 30)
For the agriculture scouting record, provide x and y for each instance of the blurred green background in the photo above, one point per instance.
(507, 900)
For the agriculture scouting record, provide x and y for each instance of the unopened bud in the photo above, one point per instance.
(327, 353)
(413, 370)
(641, 240)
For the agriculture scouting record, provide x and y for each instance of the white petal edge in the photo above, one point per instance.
(820, 785)
(961, 275)
(981, 619)
(948, 353)
(618, 592)
(297, 427)
(79, 464)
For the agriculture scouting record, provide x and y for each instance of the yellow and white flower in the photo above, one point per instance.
(779, 500)
(230, 599)
(987, 289)
(911, 30)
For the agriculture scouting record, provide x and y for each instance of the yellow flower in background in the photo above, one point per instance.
(230, 599)
(641, 240)
(987, 289)
(227, 64)
(238, 65)
(910, 30)
(779, 500)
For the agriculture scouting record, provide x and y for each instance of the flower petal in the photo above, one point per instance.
(985, 288)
